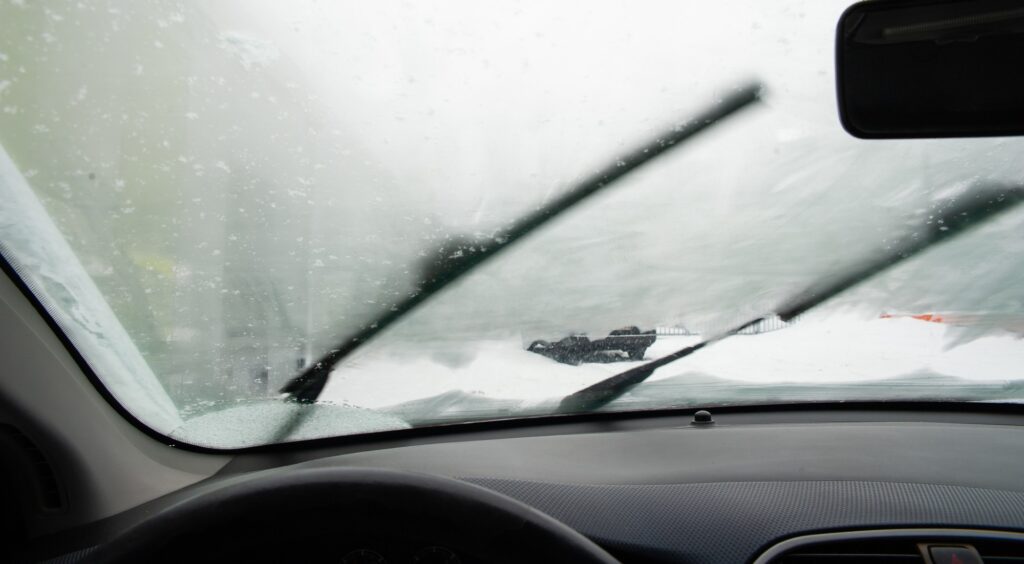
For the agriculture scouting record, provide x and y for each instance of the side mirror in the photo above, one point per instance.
(931, 68)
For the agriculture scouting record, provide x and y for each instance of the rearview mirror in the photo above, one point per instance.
(931, 68)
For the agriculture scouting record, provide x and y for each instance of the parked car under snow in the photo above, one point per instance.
(628, 343)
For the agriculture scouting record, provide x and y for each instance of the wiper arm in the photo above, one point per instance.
(455, 261)
(953, 218)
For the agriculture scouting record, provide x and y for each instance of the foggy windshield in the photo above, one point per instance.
(213, 194)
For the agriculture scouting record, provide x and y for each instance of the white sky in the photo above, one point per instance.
(521, 96)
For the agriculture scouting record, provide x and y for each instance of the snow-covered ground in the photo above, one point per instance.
(830, 349)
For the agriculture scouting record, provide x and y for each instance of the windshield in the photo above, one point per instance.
(210, 196)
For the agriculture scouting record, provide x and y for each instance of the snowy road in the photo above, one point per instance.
(818, 350)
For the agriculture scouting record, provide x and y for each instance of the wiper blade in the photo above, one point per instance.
(953, 218)
(457, 260)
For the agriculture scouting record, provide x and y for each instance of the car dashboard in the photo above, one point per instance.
(666, 488)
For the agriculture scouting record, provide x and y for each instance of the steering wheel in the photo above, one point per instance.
(322, 513)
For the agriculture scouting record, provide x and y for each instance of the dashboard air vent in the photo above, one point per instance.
(900, 546)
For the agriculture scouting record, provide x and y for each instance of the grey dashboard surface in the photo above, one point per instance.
(731, 522)
(975, 455)
(723, 494)
(664, 490)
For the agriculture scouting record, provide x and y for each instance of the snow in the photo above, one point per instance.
(45, 261)
(849, 348)
(498, 368)
(258, 422)
(831, 349)
(250, 51)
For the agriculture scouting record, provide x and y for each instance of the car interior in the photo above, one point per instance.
(108, 455)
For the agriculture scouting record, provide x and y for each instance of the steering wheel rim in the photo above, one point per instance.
(492, 526)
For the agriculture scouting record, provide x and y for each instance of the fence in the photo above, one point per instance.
(766, 325)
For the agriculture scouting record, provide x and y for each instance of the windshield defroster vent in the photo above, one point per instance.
(916, 546)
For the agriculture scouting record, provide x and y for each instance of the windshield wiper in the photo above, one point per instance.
(458, 258)
(952, 218)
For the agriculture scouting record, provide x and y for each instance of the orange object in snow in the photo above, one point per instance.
(930, 317)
